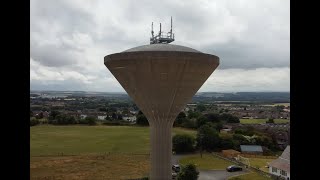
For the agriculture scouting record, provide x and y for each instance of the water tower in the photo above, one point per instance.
(161, 78)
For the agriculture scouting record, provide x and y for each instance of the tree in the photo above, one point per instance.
(31, 113)
(182, 117)
(103, 109)
(201, 107)
(188, 172)
(192, 114)
(207, 138)
(114, 116)
(213, 117)
(270, 120)
(119, 116)
(201, 121)
(91, 120)
(226, 143)
(142, 120)
(229, 118)
(34, 121)
(53, 115)
(183, 143)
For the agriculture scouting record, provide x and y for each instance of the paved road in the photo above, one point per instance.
(210, 174)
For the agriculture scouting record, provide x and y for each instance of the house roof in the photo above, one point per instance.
(283, 162)
(286, 153)
(251, 148)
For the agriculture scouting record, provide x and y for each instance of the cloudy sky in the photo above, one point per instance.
(69, 39)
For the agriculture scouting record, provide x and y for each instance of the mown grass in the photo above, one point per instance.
(207, 162)
(260, 163)
(258, 121)
(77, 140)
(250, 176)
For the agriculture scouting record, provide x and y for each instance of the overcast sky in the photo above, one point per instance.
(69, 39)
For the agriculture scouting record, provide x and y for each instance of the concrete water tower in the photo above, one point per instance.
(161, 79)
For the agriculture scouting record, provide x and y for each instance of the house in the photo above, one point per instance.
(130, 118)
(281, 166)
(225, 131)
(83, 116)
(102, 117)
(251, 149)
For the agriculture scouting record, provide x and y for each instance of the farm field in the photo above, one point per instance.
(258, 121)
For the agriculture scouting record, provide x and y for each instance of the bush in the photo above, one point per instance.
(34, 121)
(188, 172)
(142, 120)
(189, 123)
(91, 120)
(183, 143)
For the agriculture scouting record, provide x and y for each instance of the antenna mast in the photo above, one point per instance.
(160, 38)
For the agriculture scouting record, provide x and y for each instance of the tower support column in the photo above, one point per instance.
(161, 150)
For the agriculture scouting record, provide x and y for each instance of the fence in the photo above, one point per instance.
(258, 156)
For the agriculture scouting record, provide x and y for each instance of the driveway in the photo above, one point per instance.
(211, 174)
(218, 174)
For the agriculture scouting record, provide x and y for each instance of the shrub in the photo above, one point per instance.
(183, 143)
(188, 172)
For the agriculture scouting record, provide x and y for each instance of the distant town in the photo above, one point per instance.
(247, 123)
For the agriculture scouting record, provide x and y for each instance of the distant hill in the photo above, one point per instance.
(271, 97)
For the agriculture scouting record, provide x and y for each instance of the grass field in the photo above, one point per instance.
(250, 176)
(260, 163)
(258, 121)
(76, 140)
(93, 167)
(90, 152)
(207, 162)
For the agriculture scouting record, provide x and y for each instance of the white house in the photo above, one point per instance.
(281, 166)
(83, 116)
(130, 119)
(102, 117)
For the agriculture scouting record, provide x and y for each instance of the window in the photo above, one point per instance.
(274, 169)
(283, 173)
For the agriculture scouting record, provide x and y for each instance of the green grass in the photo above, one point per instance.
(260, 163)
(207, 162)
(249, 176)
(75, 140)
(258, 121)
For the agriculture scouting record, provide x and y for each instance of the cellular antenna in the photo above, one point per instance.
(152, 30)
(162, 38)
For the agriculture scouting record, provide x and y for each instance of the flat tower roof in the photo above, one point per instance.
(162, 47)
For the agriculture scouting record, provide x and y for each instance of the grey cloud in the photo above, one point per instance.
(53, 56)
(59, 11)
(247, 56)
(244, 34)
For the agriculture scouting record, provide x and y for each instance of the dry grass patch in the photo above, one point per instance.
(114, 166)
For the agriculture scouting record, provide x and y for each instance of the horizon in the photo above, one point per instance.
(197, 92)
